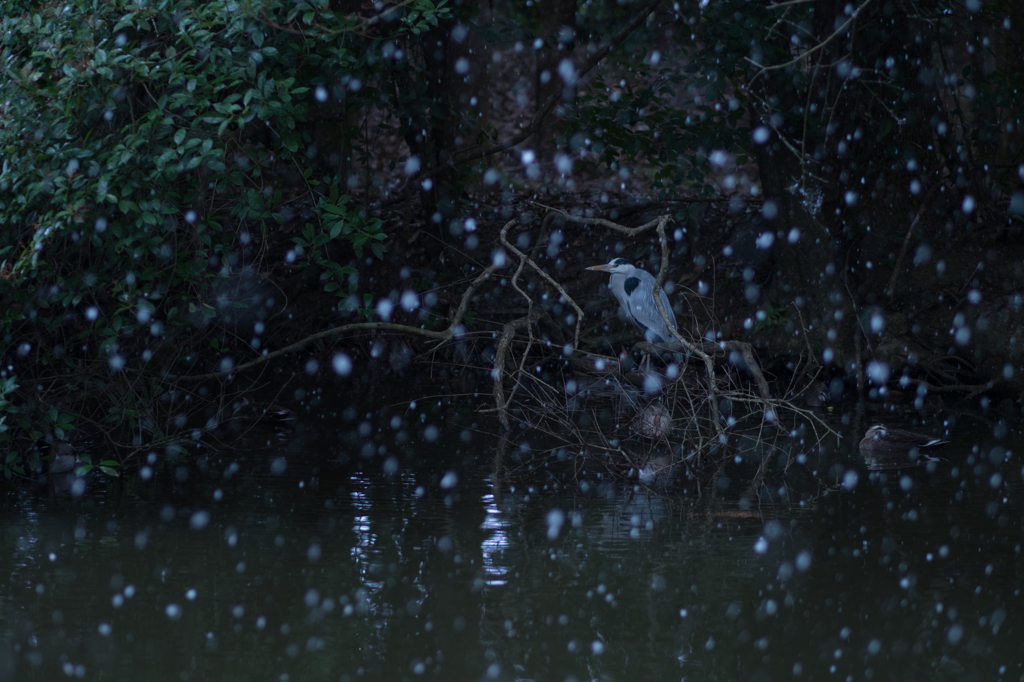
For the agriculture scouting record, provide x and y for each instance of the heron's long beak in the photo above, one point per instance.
(600, 268)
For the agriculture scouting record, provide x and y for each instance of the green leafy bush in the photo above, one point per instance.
(147, 148)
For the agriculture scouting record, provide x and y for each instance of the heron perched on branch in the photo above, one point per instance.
(634, 290)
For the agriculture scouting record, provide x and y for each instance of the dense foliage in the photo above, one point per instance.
(862, 120)
(849, 92)
(151, 150)
(147, 148)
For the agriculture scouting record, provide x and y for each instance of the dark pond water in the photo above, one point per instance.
(302, 560)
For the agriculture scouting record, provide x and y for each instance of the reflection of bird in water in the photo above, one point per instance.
(654, 421)
(657, 471)
(881, 438)
(634, 290)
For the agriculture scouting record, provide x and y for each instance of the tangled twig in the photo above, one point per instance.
(500, 355)
(533, 264)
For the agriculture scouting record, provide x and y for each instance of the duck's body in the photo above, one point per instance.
(815, 394)
(262, 413)
(654, 421)
(881, 438)
(64, 458)
(818, 398)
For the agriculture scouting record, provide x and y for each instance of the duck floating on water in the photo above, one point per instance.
(267, 414)
(817, 395)
(64, 458)
(881, 438)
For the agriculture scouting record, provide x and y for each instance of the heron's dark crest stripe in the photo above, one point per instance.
(631, 284)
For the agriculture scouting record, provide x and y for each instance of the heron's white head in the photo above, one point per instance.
(619, 266)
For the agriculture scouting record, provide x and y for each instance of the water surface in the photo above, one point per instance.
(318, 557)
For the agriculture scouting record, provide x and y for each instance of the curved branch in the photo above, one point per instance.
(444, 335)
(500, 355)
(906, 239)
(709, 363)
(747, 351)
(523, 257)
(835, 34)
(601, 222)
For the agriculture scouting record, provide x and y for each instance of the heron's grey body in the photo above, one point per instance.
(633, 288)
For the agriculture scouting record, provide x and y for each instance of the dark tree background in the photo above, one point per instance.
(185, 186)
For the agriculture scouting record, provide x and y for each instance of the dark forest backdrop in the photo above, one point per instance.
(185, 186)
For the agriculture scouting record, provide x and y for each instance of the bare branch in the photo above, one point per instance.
(906, 239)
(835, 34)
(709, 363)
(545, 109)
(444, 335)
(500, 355)
(552, 100)
(601, 222)
(523, 257)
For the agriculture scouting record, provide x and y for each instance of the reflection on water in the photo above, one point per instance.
(288, 563)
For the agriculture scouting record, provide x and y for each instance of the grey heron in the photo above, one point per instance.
(634, 290)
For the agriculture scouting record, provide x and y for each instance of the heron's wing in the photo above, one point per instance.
(636, 298)
(646, 312)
